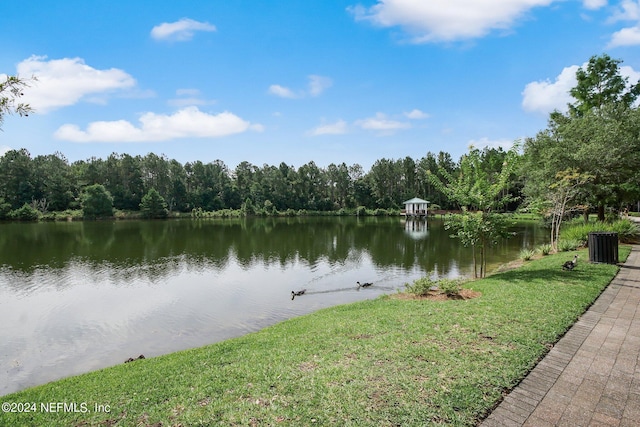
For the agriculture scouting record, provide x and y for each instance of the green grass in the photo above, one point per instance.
(382, 362)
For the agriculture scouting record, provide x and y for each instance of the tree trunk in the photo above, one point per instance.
(601, 212)
(475, 270)
(483, 273)
(482, 260)
(585, 215)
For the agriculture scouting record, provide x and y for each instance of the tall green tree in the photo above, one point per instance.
(124, 180)
(90, 171)
(155, 173)
(480, 192)
(16, 178)
(598, 137)
(177, 198)
(153, 205)
(312, 189)
(385, 182)
(562, 195)
(53, 181)
(600, 84)
(243, 176)
(96, 202)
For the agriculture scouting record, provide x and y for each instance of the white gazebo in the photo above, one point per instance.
(415, 207)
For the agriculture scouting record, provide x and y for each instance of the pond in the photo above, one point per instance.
(80, 296)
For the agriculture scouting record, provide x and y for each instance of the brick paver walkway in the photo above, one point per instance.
(591, 377)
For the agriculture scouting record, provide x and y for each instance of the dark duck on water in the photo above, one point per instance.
(364, 285)
(297, 293)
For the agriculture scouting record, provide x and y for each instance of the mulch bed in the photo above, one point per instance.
(439, 295)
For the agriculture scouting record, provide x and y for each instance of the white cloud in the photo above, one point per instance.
(416, 114)
(630, 73)
(625, 37)
(594, 4)
(186, 123)
(4, 149)
(64, 82)
(318, 84)
(182, 30)
(188, 92)
(485, 142)
(282, 92)
(382, 124)
(337, 128)
(447, 20)
(256, 127)
(545, 96)
(628, 10)
(189, 97)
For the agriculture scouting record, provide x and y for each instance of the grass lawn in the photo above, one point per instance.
(382, 362)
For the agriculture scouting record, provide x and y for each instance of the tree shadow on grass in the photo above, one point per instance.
(630, 267)
(580, 274)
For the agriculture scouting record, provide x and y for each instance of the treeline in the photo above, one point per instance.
(51, 183)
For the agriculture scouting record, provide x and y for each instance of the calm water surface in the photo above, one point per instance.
(76, 297)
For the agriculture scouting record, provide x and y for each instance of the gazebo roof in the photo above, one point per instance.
(415, 200)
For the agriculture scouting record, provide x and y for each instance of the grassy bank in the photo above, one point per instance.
(387, 361)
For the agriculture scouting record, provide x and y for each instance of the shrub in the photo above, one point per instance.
(225, 213)
(580, 231)
(247, 208)
(5, 209)
(450, 287)
(545, 249)
(269, 208)
(526, 254)
(421, 286)
(25, 213)
(66, 215)
(628, 231)
(565, 245)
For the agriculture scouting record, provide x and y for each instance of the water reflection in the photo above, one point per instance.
(416, 228)
(80, 296)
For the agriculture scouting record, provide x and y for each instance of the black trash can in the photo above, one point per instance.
(603, 247)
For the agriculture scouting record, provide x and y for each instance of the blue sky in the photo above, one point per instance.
(295, 81)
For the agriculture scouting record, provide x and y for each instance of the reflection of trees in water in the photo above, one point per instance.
(154, 250)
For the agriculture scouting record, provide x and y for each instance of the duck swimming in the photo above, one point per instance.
(297, 293)
(364, 285)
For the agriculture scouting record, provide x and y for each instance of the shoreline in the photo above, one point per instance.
(367, 363)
